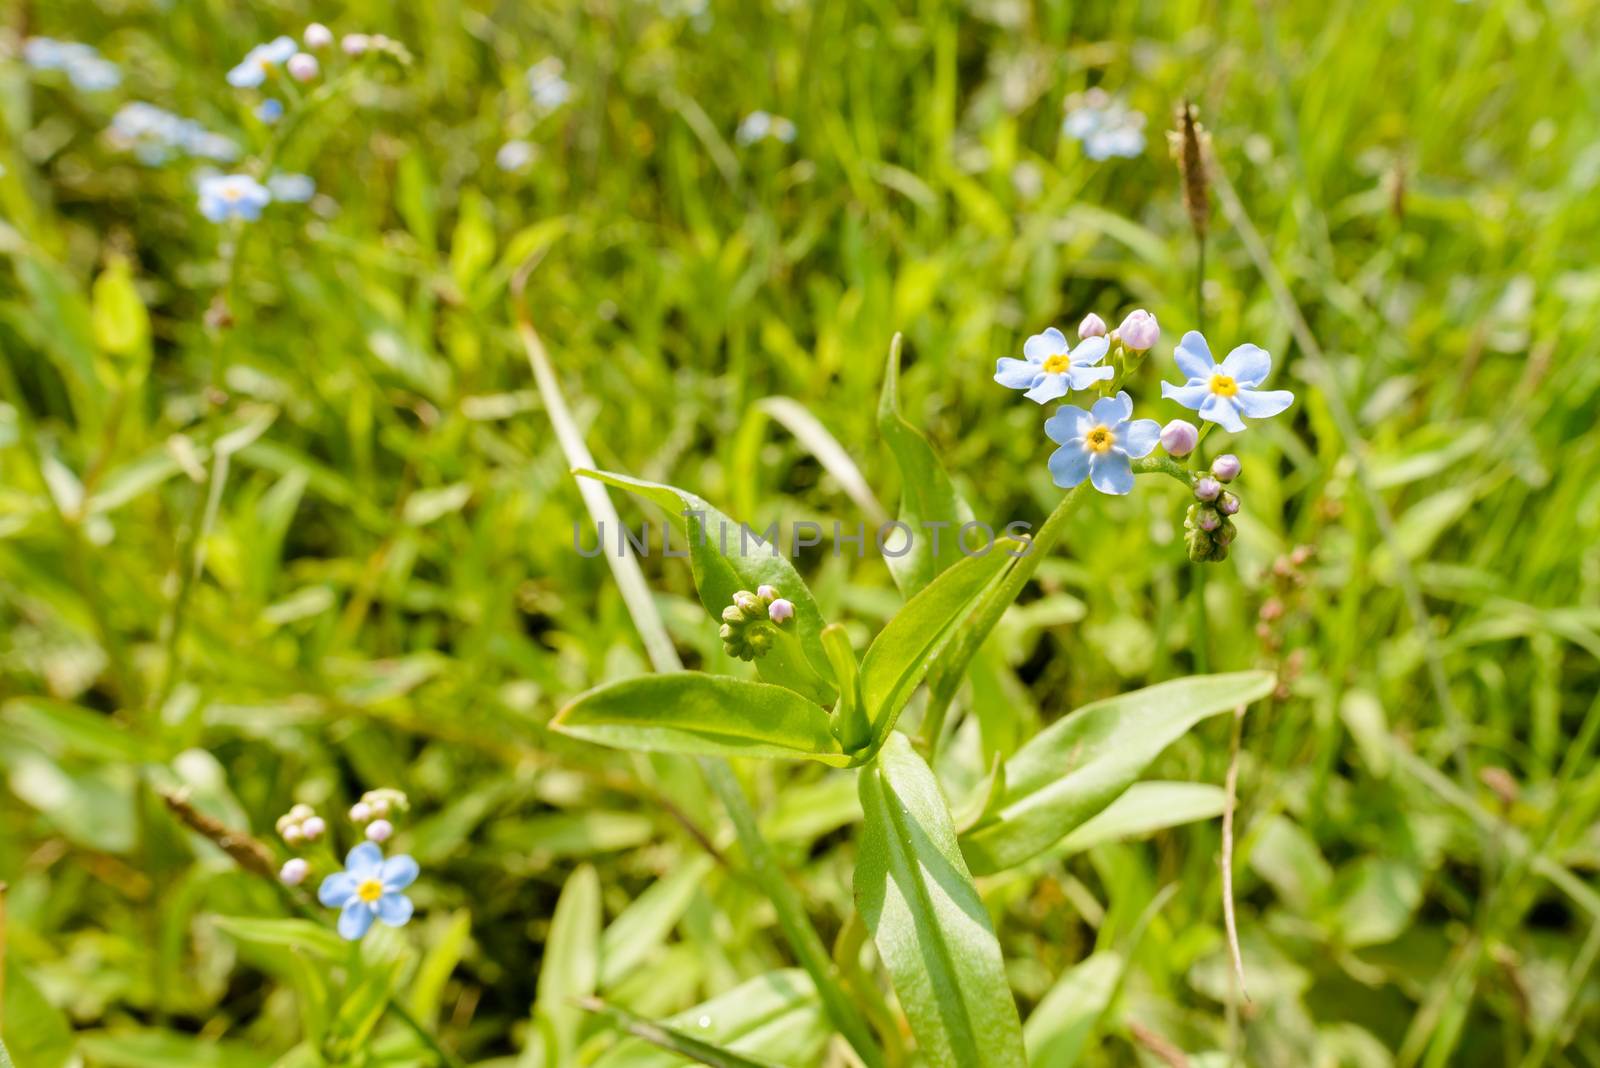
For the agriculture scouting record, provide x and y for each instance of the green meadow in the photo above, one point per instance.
(288, 515)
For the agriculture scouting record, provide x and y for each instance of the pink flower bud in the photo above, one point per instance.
(379, 831)
(355, 44)
(1092, 326)
(302, 66)
(294, 871)
(1210, 520)
(1228, 504)
(317, 36)
(780, 611)
(767, 593)
(312, 828)
(360, 812)
(1226, 467)
(1206, 488)
(292, 834)
(1179, 437)
(1139, 331)
(301, 812)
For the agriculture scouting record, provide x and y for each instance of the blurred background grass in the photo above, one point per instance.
(387, 592)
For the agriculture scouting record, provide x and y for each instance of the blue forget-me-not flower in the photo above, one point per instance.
(291, 188)
(1099, 444)
(259, 62)
(232, 196)
(1105, 125)
(1223, 392)
(84, 67)
(369, 889)
(1051, 366)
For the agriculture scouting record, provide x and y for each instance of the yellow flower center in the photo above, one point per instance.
(1223, 385)
(370, 890)
(1057, 364)
(231, 192)
(1100, 439)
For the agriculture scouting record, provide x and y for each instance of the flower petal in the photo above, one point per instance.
(1262, 403)
(1109, 411)
(1220, 410)
(354, 919)
(1085, 377)
(1016, 374)
(1069, 465)
(1090, 350)
(364, 861)
(1069, 424)
(1048, 343)
(1049, 388)
(1194, 356)
(394, 909)
(1247, 365)
(1139, 437)
(1192, 395)
(1110, 473)
(399, 872)
(336, 889)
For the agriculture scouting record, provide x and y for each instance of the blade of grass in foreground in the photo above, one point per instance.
(792, 918)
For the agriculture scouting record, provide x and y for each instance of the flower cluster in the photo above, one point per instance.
(762, 125)
(750, 623)
(300, 824)
(1288, 577)
(155, 135)
(547, 85)
(1208, 525)
(1106, 126)
(375, 808)
(84, 67)
(369, 887)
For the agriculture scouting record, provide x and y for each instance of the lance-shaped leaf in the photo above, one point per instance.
(690, 712)
(727, 557)
(904, 650)
(930, 926)
(1078, 765)
(776, 1017)
(926, 493)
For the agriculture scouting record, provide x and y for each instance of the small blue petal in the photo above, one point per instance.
(1220, 410)
(1192, 395)
(1109, 473)
(1086, 377)
(336, 889)
(1139, 437)
(1089, 350)
(1016, 374)
(365, 861)
(1049, 389)
(354, 919)
(1193, 356)
(399, 872)
(1068, 425)
(1049, 343)
(1109, 411)
(1247, 365)
(394, 909)
(1262, 404)
(1069, 465)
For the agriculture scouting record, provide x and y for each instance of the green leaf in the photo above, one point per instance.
(904, 650)
(931, 928)
(118, 317)
(725, 561)
(667, 1038)
(1144, 808)
(297, 935)
(427, 989)
(472, 245)
(36, 1029)
(644, 925)
(690, 712)
(571, 964)
(926, 492)
(1081, 763)
(1062, 1023)
(152, 1048)
(777, 1015)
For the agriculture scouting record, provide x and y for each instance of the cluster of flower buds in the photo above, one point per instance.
(1208, 526)
(301, 824)
(1138, 332)
(375, 808)
(750, 622)
(1288, 578)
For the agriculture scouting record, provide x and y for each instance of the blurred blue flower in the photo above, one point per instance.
(546, 85)
(1099, 444)
(84, 67)
(760, 125)
(155, 134)
(1223, 392)
(1051, 366)
(232, 196)
(369, 888)
(291, 188)
(269, 110)
(259, 62)
(1104, 125)
(514, 156)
